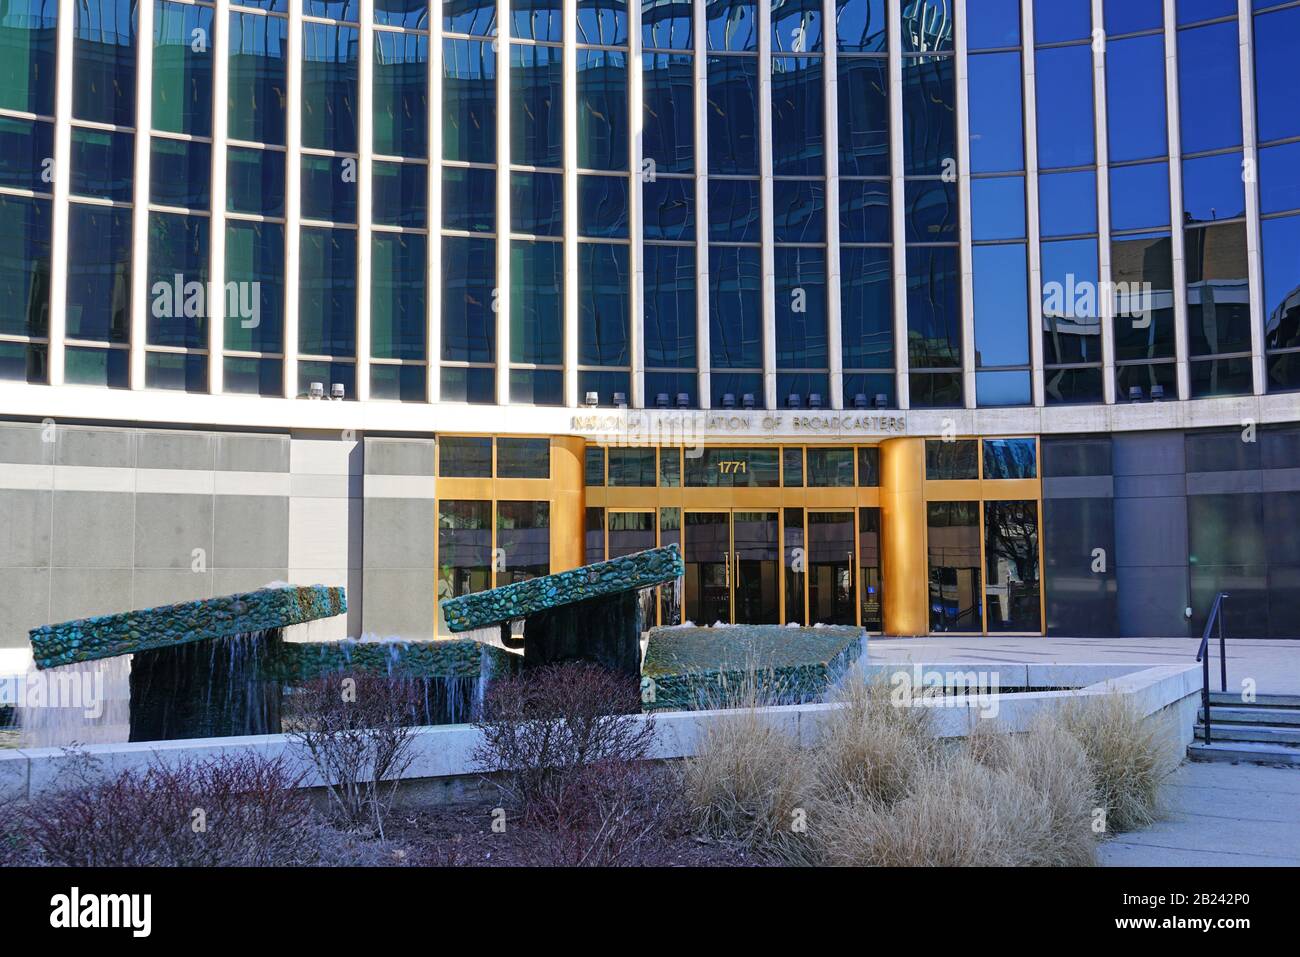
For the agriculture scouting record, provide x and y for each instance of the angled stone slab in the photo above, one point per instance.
(602, 580)
(149, 629)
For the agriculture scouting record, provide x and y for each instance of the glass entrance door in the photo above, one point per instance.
(732, 567)
(831, 571)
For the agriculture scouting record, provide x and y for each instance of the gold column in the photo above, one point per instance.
(568, 501)
(902, 513)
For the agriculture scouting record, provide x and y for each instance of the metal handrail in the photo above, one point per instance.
(1203, 656)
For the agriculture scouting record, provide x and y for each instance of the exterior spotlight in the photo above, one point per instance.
(661, 400)
(792, 401)
(1135, 393)
(683, 400)
(728, 400)
(882, 400)
(592, 399)
(1157, 393)
(860, 400)
(620, 400)
(814, 400)
(316, 390)
(337, 391)
(747, 400)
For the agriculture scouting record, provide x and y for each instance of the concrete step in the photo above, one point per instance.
(1251, 732)
(1250, 715)
(1247, 752)
(1233, 700)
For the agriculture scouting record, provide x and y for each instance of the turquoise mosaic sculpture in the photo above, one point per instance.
(689, 668)
(148, 629)
(602, 580)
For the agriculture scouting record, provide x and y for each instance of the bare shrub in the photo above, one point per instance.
(543, 729)
(239, 810)
(1128, 758)
(357, 731)
(615, 814)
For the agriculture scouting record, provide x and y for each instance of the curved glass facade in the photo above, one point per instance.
(900, 204)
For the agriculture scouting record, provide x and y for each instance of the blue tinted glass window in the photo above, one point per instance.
(995, 389)
(1130, 16)
(667, 25)
(1139, 196)
(798, 117)
(1281, 260)
(537, 203)
(733, 211)
(997, 134)
(864, 211)
(1065, 119)
(27, 39)
(25, 231)
(25, 146)
(1071, 327)
(537, 107)
(327, 281)
(182, 373)
(1135, 98)
(861, 26)
(735, 308)
(401, 383)
(867, 308)
(255, 262)
(536, 302)
(178, 278)
(796, 26)
(103, 49)
(180, 173)
(469, 199)
(411, 14)
(602, 22)
(604, 308)
(329, 188)
(473, 17)
(929, 115)
(1001, 305)
(397, 295)
(670, 306)
(99, 273)
(255, 181)
(1209, 87)
(469, 101)
(602, 110)
(333, 9)
(798, 211)
(258, 54)
(932, 211)
(1194, 11)
(249, 376)
(668, 209)
(668, 134)
(603, 206)
(103, 164)
(1277, 37)
(328, 374)
(933, 308)
(1212, 188)
(537, 19)
(927, 25)
(992, 23)
(733, 115)
(997, 208)
(863, 116)
(800, 308)
(1279, 178)
(399, 194)
(536, 387)
(401, 110)
(329, 87)
(182, 68)
(1067, 203)
(1056, 21)
(468, 279)
(732, 25)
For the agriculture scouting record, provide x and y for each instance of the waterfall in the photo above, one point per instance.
(86, 702)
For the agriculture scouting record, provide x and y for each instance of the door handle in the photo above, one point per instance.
(850, 558)
(726, 561)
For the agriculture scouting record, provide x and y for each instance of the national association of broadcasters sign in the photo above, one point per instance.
(641, 428)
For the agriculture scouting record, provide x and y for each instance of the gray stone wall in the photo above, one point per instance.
(399, 530)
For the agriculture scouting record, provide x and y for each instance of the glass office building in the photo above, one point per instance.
(924, 315)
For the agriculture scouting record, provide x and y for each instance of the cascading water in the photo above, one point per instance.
(81, 703)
